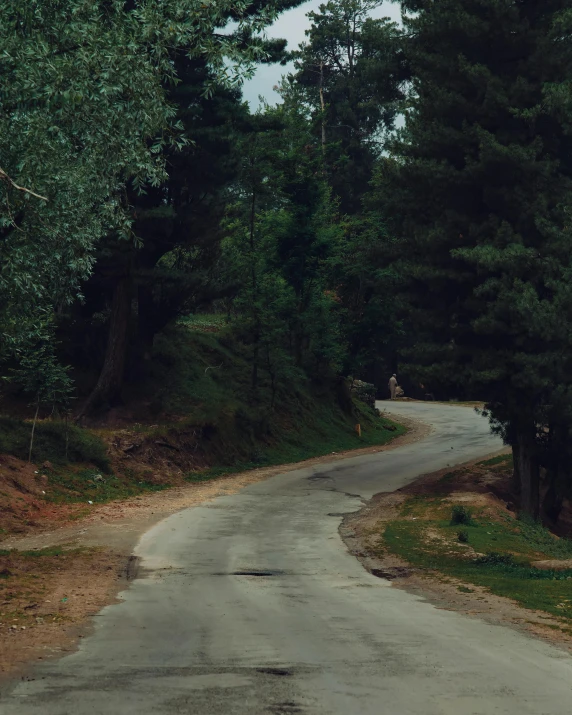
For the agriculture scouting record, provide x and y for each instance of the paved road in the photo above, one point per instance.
(312, 632)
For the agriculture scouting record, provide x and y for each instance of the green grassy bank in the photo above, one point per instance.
(197, 411)
(484, 545)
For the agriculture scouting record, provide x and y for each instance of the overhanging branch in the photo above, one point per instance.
(4, 177)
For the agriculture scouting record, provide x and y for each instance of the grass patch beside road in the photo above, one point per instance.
(82, 484)
(329, 433)
(491, 549)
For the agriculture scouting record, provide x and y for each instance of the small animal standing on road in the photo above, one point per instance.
(392, 386)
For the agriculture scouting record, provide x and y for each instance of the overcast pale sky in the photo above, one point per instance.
(291, 26)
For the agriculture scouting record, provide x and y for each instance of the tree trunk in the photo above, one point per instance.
(529, 473)
(323, 107)
(344, 396)
(108, 388)
(557, 461)
(33, 430)
(254, 284)
(254, 373)
(554, 498)
(515, 483)
(146, 331)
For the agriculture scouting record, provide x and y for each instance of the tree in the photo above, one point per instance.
(281, 232)
(367, 285)
(84, 115)
(479, 192)
(351, 72)
(40, 374)
(168, 268)
(351, 75)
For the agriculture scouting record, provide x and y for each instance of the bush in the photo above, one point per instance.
(495, 559)
(50, 443)
(460, 515)
(463, 536)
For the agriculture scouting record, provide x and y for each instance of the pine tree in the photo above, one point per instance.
(351, 72)
(281, 233)
(479, 189)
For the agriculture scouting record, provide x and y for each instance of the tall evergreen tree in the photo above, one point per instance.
(281, 234)
(480, 192)
(350, 72)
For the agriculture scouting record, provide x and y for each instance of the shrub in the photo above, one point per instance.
(495, 559)
(463, 536)
(50, 443)
(460, 515)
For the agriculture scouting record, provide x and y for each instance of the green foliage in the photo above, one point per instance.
(50, 443)
(508, 545)
(318, 430)
(235, 432)
(39, 372)
(495, 559)
(281, 231)
(69, 486)
(350, 77)
(350, 74)
(502, 459)
(540, 537)
(463, 536)
(461, 515)
(478, 190)
(87, 122)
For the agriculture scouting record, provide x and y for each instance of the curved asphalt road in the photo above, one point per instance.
(313, 633)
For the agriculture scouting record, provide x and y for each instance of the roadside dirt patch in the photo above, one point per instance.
(45, 597)
(22, 504)
(93, 565)
(478, 486)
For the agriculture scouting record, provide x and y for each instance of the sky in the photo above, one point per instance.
(291, 26)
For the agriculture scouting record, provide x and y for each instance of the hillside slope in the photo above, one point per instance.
(192, 418)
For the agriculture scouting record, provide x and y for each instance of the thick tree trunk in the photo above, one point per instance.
(108, 388)
(145, 321)
(146, 331)
(557, 471)
(554, 497)
(529, 474)
(344, 396)
(254, 373)
(515, 485)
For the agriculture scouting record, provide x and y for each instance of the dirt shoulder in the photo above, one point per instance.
(371, 534)
(53, 579)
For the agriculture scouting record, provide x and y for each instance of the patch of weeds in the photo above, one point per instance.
(448, 478)
(461, 514)
(509, 546)
(543, 540)
(50, 439)
(464, 589)
(463, 536)
(495, 559)
(205, 476)
(69, 486)
(505, 459)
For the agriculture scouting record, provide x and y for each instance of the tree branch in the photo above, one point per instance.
(4, 177)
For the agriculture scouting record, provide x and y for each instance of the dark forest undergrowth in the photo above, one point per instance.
(195, 416)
